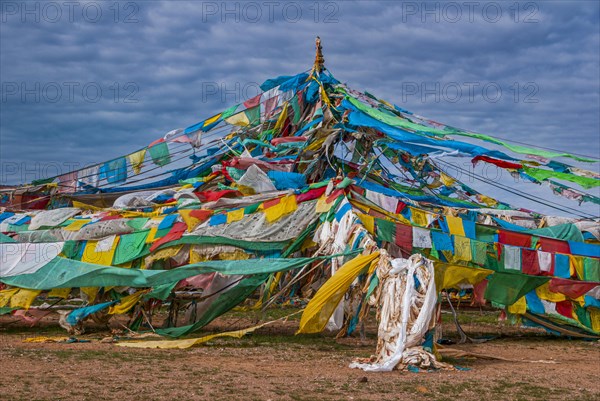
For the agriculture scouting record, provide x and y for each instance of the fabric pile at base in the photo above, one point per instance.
(406, 285)
(299, 193)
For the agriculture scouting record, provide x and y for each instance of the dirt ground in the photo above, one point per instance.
(273, 364)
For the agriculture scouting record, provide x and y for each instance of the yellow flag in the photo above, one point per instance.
(76, 224)
(543, 292)
(239, 119)
(100, 258)
(321, 306)
(435, 184)
(126, 303)
(286, 205)
(450, 276)
(487, 200)
(136, 159)
(6, 295)
(322, 206)
(85, 206)
(462, 248)
(23, 298)
(316, 144)
(595, 319)
(196, 257)
(576, 266)
(212, 120)
(282, 118)
(151, 235)
(164, 253)
(238, 254)
(131, 213)
(324, 96)
(90, 292)
(235, 215)
(446, 179)
(60, 293)
(188, 219)
(419, 217)
(189, 342)
(367, 221)
(387, 104)
(45, 339)
(455, 225)
(126, 265)
(519, 307)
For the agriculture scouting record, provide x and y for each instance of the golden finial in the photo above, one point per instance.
(319, 59)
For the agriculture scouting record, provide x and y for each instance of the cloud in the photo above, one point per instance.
(153, 60)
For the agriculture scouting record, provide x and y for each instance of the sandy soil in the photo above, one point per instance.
(273, 364)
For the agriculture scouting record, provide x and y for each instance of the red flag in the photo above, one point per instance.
(404, 237)
(496, 162)
(530, 264)
(175, 233)
(514, 239)
(571, 288)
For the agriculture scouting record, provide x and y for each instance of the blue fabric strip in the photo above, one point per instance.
(583, 249)
(442, 241)
(469, 228)
(167, 222)
(561, 266)
(343, 210)
(534, 304)
(217, 219)
(79, 314)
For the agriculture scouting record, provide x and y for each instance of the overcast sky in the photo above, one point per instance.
(84, 82)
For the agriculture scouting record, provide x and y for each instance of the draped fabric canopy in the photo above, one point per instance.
(296, 191)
